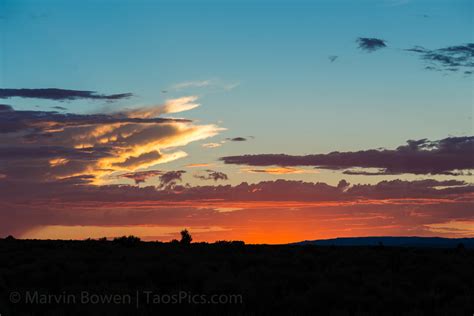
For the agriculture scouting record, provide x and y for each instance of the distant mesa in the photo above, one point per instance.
(426, 242)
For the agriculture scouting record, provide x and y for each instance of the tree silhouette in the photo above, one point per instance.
(185, 237)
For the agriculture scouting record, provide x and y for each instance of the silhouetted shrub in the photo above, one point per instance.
(127, 240)
(185, 237)
(230, 243)
(10, 237)
(174, 241)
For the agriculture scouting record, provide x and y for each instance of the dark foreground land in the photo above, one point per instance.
(136, 278)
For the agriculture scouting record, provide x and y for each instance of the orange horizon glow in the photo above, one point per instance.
(254, 222)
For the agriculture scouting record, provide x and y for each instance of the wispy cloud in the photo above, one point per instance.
(170, 106)
(50, 145)
(192, 84)
(211, 145)
(211, 175)
(450, 58)
(280, 171)
(60, 94)
(198, 165)
(209, 83)
(60, 108)
(141, 176)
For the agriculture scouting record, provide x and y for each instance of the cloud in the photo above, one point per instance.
(450, 58)
(168, 179)
(447, 156)
(212, 175)
(370, 44)
(170, 106)
(77, 189)
(61, 108)
(198, 165)
(192, 84)
(60, 94)
(141, 176)
(211, 145)
(45, 145)
(145, 159)
(264, 209)
(222, 142)
(279, 171)
(210, 83)
(237, 139)
(255, 222)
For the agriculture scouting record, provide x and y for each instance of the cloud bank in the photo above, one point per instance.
(449, 156)
(270, 211)
(50, 145)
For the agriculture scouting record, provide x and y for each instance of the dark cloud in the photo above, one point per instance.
(370, 44)
(134, 161)
(385, 172)
(168, 179)
(450, 58)
(5, 108)
(61, 108)
(365, 173)
(60, 94)
(48, 152)
(447, 156)
(141, 176)
(76, 180)
(343, 184)
(76, 189)
(12, 120)
(212, 175)
(237, 139)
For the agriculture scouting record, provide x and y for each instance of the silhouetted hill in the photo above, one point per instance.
(430, 242)
(130, 277)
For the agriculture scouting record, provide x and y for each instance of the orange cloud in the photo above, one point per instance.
(211, 145)
(97, 144)
(280, 170)
(198, 165)
(170, 106)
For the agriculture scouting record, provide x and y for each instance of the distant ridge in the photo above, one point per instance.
(428, 242)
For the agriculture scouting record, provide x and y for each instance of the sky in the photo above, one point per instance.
(263, 121)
